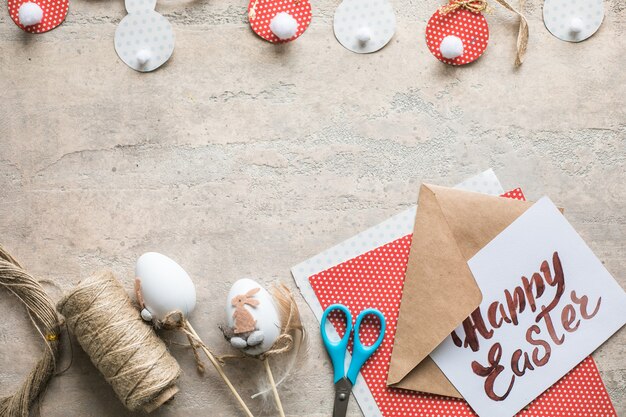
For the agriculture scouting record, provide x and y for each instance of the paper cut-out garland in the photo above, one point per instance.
(144, 39)
(458, 33)
(279, 21)
(364, 26)
(573, 20)
(38, 16)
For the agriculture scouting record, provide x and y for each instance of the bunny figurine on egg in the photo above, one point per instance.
(261, 325)
(253, 322)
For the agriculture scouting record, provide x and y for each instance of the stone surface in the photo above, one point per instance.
(240, 158)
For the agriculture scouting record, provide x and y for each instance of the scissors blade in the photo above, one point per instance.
(342, 395)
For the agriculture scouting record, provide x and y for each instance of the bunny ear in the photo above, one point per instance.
(253, 291)
(252, 301)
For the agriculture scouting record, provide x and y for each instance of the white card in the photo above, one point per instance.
(573, 20)
(144, 39)
(385, 232)
(581, 306)
(364, 26)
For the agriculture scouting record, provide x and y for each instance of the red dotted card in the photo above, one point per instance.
(54, 12)
(470, 27)
(261, 13)
(375, 279)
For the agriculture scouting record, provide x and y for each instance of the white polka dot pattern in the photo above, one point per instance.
(558, 15)
(144, 30)
(375, 279)
(377, 16)
(470, 27)
(385, 232)
(261, 12)
(54, 12)
(137, 6)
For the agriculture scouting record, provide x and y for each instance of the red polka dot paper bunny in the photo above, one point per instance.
(279, 21)
(38, 16)
(458, 33)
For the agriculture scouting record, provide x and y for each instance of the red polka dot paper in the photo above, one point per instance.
(54, 12)
(375, 279)
(261, 12)
(470, 27)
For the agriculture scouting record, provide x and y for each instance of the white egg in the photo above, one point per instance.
(165, 286)
(263, 311)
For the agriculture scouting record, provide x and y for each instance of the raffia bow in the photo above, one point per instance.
(476, 6)
(480, 6)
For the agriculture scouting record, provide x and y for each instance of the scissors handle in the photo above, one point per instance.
(337, 350)
(360, 353)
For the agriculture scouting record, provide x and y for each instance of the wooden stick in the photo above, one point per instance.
(219, 370)
(279, 404)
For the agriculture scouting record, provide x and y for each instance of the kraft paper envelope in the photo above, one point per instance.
(439, 291)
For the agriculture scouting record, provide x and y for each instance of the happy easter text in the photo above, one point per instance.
(526, 297)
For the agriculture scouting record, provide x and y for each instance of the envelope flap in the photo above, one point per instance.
(474, 218)
(439, 289)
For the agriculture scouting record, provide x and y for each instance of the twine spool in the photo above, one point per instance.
(120, 344)
(41, 311)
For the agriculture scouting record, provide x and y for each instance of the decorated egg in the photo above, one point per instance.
(163, 287)
(253, 320)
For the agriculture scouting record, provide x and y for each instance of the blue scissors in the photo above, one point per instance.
(337, 352)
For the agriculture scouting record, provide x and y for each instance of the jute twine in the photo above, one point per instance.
(479, 6)
(126, 350)
(43, 315)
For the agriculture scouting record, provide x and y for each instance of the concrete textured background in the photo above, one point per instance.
(240, 158)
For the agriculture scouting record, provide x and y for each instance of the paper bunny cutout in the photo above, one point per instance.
(458, 37)
(144, 39)
(279, 21)
(457, 33)
(38, 16)
(573, 20)
(364, 26)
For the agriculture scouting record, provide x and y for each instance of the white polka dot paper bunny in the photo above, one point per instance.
(364, 26)
(38, 16)
(573, 20)
(279, 21)
(458, 33)
(144, 39)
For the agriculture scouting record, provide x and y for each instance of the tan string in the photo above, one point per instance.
(480, 6)
(176, 321)
(127, 351)
(475, 6)
(41, 311)
(522, 32)
(252, 12)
